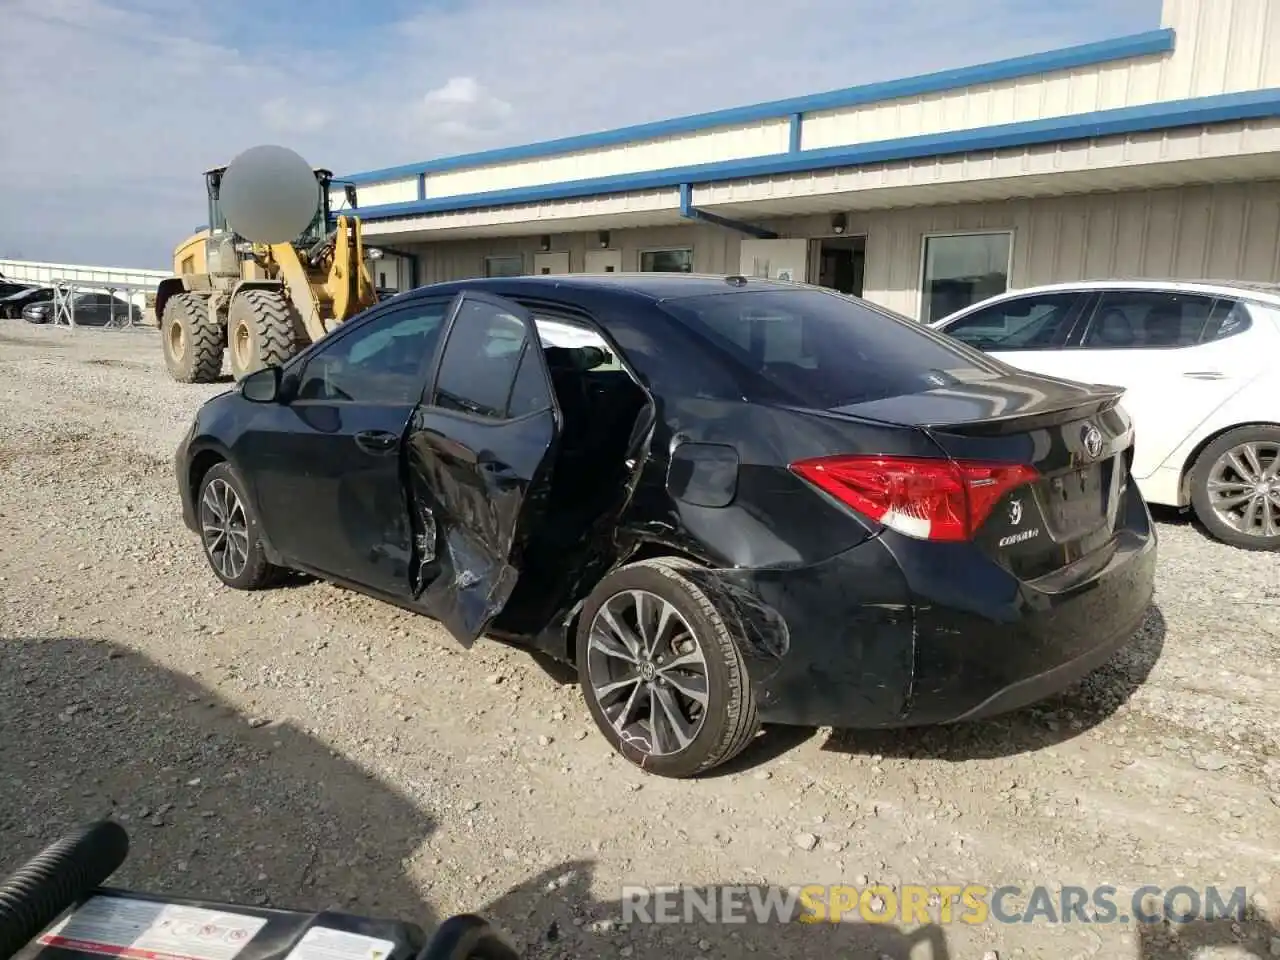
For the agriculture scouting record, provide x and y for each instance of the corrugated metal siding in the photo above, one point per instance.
(728, 143)
(1226, 231)
(404, 190)
(713, 250)
(1223, 46)
(1104, 160)
(642, 208)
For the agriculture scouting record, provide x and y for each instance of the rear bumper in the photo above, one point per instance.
(1041, 686)
(899, 633)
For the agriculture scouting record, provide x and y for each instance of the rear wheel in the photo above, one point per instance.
(263, 329)
(1235, 488)
(192, 345)
(662, 676)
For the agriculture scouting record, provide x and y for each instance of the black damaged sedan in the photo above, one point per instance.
(728, 501)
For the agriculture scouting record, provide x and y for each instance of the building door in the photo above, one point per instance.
(776, 259)
(389, 272)
(545, 263)
(604, 261)
(840, 263)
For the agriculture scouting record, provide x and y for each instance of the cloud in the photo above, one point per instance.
(111, 109)
(461, 109)
(291, 116)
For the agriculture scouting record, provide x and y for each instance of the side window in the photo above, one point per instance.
(1023, 323)
(1229, 317)
(1146, 319)
(578, 341)
(530, 393)
(481, 359)
(382, 362)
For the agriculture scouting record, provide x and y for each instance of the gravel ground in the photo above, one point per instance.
(310, 747)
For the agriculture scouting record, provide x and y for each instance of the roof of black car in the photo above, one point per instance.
(656, 286)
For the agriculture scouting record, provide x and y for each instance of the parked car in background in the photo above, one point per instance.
(9, 287)
(11, 306)
(90, 310)
(728, 501)
(1201, 378)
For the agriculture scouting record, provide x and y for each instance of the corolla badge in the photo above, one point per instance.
(1015, 518)
(1092, 438)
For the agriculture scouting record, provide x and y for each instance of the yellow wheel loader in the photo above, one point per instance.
(262, 302)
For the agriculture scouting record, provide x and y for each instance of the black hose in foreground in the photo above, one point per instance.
(466, 936)
(54, 879)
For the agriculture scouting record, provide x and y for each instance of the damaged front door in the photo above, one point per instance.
(479, 454)
(329, 475)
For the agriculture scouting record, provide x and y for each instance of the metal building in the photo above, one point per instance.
(1153, 155)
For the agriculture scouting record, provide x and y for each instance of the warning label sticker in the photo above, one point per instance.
(324, 943)
(143, 930)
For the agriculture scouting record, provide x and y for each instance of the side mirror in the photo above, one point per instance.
(262, 386)
(350, 191)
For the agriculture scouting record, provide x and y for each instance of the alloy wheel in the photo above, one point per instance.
(647, 672)
(1244, 488)
(225, 528)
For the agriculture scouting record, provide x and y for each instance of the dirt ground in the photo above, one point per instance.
(309, 747)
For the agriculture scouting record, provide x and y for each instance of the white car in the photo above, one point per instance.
(1200, 364)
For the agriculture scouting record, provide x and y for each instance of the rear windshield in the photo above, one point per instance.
(825, 350)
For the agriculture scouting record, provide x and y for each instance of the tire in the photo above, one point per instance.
(192, 345)
(730, 719)
(1212, 467)
(254, 571)
(263, 329)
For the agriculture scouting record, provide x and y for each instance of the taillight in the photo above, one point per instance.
(929, 499)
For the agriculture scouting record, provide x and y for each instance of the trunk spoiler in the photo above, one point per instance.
(989, 409)
(1104, 399)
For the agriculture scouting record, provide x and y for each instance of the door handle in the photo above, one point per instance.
(376, 441)
(1204, 375)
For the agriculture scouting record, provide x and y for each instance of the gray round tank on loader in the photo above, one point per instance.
(267, 275)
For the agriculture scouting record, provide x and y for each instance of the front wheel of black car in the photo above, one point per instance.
(229, 531)
(661, 673)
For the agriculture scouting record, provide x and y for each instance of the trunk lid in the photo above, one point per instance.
(1076, 437)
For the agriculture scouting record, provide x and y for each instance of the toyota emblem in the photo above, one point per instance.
(1092, 438)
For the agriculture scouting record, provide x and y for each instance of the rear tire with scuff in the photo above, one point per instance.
(680, 651)
(192, 344)
(263, 330)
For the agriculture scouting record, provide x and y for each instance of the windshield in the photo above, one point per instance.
(822, 349)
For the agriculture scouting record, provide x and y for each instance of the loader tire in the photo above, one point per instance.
(192, 345)
(263, 330)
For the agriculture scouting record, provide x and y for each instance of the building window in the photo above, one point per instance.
(504, 266)
(961, 269)
(667, 261)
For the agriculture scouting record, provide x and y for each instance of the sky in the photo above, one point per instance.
(110, 110)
